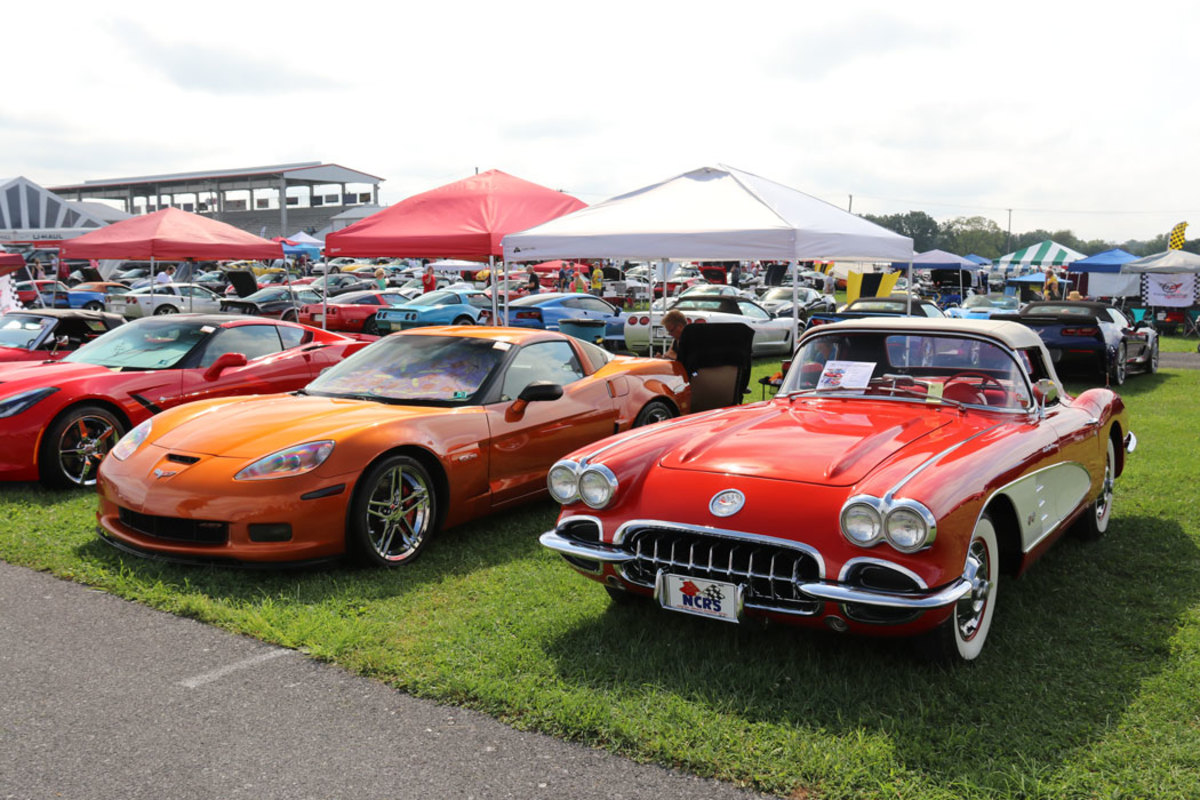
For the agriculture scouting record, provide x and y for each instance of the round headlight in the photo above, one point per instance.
(908, 528)
(861, 524)
(597, 485)
(563, 482)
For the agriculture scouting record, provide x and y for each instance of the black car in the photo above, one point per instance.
(342, 282)
(1091, 338)
(277, 302)
(778, 300)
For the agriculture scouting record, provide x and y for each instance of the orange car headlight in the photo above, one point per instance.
(287, 463)
(131, 441)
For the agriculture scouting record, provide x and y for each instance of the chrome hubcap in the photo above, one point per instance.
(970, 609)
(398, 514)
(82, 447)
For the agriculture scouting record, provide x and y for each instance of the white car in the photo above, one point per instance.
(165, 298)
(771, 336)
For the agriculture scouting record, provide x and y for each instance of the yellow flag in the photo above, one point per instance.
(853, 286)
(1176, 238)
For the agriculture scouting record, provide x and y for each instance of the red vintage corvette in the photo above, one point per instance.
(424, 429)
(903, 466)
(58, 419)
(353, 312)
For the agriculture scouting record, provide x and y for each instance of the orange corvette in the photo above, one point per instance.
(421, 430)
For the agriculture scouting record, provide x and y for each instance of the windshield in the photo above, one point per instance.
(22, 330)
(438, 298)
(942, 367)
(991, 301)
(441, 370)
(151, 343)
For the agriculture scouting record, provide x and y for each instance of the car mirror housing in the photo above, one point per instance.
(1045, 392)
(224, 361)
(539, 391)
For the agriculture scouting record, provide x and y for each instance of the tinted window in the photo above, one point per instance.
(545, 361)
(252, 341)
(293, 337)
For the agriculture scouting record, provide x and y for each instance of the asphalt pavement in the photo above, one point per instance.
(103, 698)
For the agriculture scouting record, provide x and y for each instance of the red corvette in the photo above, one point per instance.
(425, 429)
(353, 312)
(903, 466)
(58, 419)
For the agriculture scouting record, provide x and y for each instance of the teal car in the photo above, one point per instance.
(440, 307)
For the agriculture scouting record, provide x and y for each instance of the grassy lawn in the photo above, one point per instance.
(1089, 687)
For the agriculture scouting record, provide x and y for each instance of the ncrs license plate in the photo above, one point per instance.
(703, 598)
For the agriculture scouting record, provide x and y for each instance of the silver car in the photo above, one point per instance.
(165, 298)
(771, 336)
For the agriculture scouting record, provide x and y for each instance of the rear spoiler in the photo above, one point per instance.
(1048, 319)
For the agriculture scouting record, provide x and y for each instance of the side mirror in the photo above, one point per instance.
(224, 361)
(536, 392)
(1045, 392)
(539, 391)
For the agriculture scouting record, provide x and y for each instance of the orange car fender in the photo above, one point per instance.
(454, 447)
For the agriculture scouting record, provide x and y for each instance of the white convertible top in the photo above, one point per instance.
(1013, 334)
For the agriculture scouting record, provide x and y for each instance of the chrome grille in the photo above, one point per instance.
(769, 571)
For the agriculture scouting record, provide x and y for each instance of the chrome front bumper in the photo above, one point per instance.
(832, 592)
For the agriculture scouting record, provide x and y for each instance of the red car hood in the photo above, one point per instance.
(256, 426)
(20, 375)
(803, 442)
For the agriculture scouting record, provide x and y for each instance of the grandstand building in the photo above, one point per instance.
(268, 201)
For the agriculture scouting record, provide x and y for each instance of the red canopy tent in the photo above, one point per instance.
(465, 219)
(170, 235)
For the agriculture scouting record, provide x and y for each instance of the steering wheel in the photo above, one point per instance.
(984, 381)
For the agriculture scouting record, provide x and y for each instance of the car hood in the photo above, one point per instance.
(257, 426)
(19, 376)
(831, 448)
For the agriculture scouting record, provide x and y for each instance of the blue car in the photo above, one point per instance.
(56, 294)
(982, 306)
(441, 307)
(548, 309)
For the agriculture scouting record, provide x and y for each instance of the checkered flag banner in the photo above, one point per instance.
(1177, 236)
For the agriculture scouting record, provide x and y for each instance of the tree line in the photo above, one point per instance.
(983, 237)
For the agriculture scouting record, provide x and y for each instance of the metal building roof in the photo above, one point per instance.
(264, 177)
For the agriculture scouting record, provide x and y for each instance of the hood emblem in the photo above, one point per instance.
(164, 473)
(726, 503)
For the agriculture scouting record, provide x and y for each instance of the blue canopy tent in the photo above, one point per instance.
(1107, 263)
(978, 259)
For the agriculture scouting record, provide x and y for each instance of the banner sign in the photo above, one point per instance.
(1170, 290)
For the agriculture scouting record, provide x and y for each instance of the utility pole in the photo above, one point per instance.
(850, 205)
(1008, 237)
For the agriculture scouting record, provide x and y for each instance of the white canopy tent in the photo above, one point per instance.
(711, 214)
(1168, 261)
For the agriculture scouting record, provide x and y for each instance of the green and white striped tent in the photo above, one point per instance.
(1046, 254)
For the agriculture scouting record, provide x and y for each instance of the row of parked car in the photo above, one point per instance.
(217, 439)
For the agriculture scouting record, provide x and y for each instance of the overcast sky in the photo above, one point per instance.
(1073, 116)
